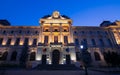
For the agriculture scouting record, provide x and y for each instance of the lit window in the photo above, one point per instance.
(56, 30)
(46, 30)
(65, 30)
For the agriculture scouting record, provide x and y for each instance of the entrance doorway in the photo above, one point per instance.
(55, 57)
(44, 59)
(68, 59)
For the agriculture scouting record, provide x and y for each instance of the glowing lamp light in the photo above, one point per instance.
(49, 62)
(81, 46)
(38, 58)
(21, 43)
(62, 63)
(64, 59)
(3, 43)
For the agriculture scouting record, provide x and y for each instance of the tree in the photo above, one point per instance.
(112, 58)
(86, 59)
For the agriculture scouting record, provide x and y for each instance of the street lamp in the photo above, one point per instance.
(81, 46)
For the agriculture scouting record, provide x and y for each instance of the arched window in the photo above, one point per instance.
(4, 56)
(75, 32)
(97, 56)
(32, 56)
(13, 56)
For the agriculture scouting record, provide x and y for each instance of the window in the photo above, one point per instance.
(98, 32)
(97, 56)
(85, 40)
(4, 32)
(93, 42)
(34, 41)
(36, 32)
(32, 56)
(20, 31)
(46, 39)
(76, 42)
(26, 41)
(8, 41)
(56, 30)
(90, 32)
(46, 30)
(83, 32)
(109, 42)
(101, 42)
(1, 40)
(75, 32)
(65, 30)
(14, 56)
(12, 32)
(28, 32)
(106, 33)
(17, 41)
(55, 39)
(65, 39)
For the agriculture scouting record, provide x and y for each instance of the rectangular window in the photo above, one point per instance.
(34, 41)
(55, 30)
(82, 32)
(101, 42)
(8, 41)
(46, 39)
(93, 42)
(85, 40)
(109, 42)
(17, 41)
(76, 42)
(55, 39)
(1, 40)
(26, 41)
(65, 39)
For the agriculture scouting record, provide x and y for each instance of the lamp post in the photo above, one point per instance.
(85, 55)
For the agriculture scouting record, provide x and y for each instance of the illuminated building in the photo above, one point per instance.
(56, 41)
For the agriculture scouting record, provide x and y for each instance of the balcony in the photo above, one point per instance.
(56, 44)
(42, 44)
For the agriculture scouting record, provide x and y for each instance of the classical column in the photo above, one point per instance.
(50, 33)
(71, 33)
(61, 33)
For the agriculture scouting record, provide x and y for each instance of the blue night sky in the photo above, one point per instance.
(82, 12)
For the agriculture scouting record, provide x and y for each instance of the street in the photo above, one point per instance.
(38, 72)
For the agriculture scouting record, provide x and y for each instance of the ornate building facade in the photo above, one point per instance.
(56, 41)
